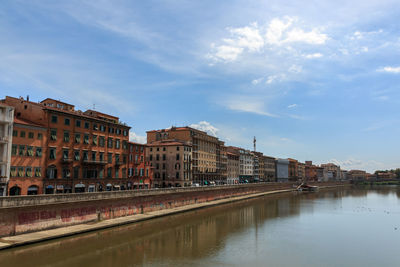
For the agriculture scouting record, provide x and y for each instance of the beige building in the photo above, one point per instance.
(171, 163)
(205, 154)
(233, 168)
(269, 169)
(332, 171)
(222, 163)
(301, 170)
(6, 130)
(356, 175)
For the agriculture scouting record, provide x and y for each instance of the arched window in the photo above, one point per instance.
(15, 191)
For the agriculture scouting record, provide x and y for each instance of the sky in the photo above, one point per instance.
(312, 80)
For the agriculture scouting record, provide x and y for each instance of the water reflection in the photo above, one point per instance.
(194, 237)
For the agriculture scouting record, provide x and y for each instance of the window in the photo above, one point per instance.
(20, 171)
(52, 173)
(87, 125)
(157, 157)
(110, 143)
(177, 148)
(15, 133)
(54, 118)
(164, 157)
(102, 141)
(117, 143)
(124, 144)
(93, 156)
(21, 150)
(65, 154)
(163, 166)
(136, 171)
(94, 140)
(38, 152)
(66, 173)
(151, 149)
(38, 172)
(141, 158)
(13, 171)
(66, 136)
(163, 149)
(177, 175)
(28, 171)
(53, 134)
(22, 134)
(40, 136)
(30, 135)
(151, 157)
(67, 121)
(136, 158)
(116, 158)
(85, 155)
(77, 123)
(116, 173)
(76, 172)
(158, 149)
(141, 172)
(141, 149)
(102, 128)
(177, 156)
(157, 166)
(95, 127)
(124, 159)
(14, 149)
(77, 155)
(125, 132)
(101, 156)
(109, 170)
(118, 131)
(86, 139)
(77, 138)
(109, 158)
(52, 154)
(29, 151)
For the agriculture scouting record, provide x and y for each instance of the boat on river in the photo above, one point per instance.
(307, 188)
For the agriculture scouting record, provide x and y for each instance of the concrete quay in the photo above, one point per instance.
(40, 236)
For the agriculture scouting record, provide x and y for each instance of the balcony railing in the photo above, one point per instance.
(94, 162)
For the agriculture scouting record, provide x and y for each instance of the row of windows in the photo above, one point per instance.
(96, 140)
(136, 148)
(136, 158)
(86, 173)
(177, 148)
(85, 155)
(137, 172)
(25, 171)
(31, 135)
(164, 157)
(23, 150)
(86, 125)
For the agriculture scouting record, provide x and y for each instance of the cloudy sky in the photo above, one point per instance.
(312, 81)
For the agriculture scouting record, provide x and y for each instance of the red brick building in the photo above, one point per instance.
(27, 158)
(140, 172)
(83, 151)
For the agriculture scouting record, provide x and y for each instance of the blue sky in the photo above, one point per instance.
(313, 81)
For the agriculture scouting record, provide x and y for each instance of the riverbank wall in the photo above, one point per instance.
(25, 214)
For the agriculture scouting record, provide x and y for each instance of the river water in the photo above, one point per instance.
(336, 227)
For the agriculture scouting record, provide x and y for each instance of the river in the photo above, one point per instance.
(335, 227)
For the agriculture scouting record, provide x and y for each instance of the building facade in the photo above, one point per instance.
(332, 170)
(84, 151)
(282, 170)
(205, 154)
(171, 162)
(269, 169)
(233, 168)
(310, 171)
(27, 158)
(6, 129)
(293, 170)
(140, 172)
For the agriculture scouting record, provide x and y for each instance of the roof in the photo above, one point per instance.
(27, 122)
(136, 143)
(168, 143)
(56, 101)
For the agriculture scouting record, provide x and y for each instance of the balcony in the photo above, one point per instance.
(66, 160)
(3, 179)
(94, 162)
(4, 139)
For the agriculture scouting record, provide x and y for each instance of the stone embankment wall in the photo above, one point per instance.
(23, 214)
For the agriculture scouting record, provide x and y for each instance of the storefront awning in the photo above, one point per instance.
(50, 186)
(79, 186)
(60, 187)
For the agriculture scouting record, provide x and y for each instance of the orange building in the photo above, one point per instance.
(140, 172)
(27, 158)
(310, 171)
(84, 151)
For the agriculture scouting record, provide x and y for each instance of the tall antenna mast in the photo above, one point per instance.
(254, 142)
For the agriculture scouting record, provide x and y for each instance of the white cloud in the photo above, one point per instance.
(295, 69)
(206, 127)
(315, 55)
(133, 137)
(293, 106)
(279, 32)
(357, 164)
(313, 37)
(244, 104)
(257, 81)
(390, 69)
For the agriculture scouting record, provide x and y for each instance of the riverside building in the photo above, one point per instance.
(140, 172)
(6, 129)
(205, 151)
(84, 151)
